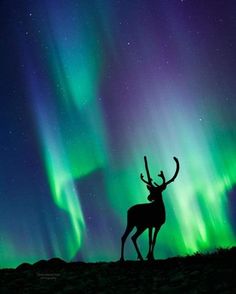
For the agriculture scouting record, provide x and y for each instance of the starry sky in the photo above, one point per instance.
(90, 87)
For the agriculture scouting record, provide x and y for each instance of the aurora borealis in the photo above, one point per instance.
(90, 87)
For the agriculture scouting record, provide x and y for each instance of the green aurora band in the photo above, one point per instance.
(70, 124)
(75, 145)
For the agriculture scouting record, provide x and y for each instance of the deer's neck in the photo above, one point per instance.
(159, 200)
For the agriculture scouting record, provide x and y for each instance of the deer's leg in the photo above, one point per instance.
(154, 242)
(150, 242)
(134, 239)
(129, 228)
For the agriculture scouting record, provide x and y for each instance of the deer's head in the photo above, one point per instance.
(154, 188)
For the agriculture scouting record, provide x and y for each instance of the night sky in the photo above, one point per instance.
(90, 87)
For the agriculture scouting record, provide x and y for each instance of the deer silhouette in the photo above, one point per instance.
(148, 215)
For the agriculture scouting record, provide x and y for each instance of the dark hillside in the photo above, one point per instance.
(209, 273)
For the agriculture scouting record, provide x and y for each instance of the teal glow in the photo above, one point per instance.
(96, 85)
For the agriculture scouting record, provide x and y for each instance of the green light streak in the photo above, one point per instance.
(197, 202)
(70, 122)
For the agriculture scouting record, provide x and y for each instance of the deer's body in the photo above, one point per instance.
(149, 215)
(153, 214)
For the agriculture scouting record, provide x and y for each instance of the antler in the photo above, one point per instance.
(142, 178)
(161, 175)
(149, 179)
(176, 171)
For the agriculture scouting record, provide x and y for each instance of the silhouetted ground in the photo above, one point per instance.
(210, 273)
